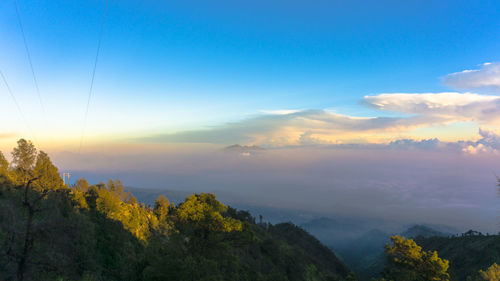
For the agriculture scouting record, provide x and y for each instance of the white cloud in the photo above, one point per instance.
(280, 111)
(450, 106)
(489, 138)
(321, 127)
(286, 127)
(416, 144)
(486, 77)
(489, 143)
(301, 128)
(475, 149)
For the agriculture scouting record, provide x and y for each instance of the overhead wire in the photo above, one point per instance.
(35, 80)
(26, 123)
(93, 77)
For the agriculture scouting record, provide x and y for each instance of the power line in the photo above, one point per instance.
(93, 76)
(30, 61)
(18, 106)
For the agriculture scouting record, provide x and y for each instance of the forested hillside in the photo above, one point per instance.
(50, 231)
(470, 256)
(365, 254)
(468, 253)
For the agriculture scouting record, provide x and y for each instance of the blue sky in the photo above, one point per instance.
(170, 66)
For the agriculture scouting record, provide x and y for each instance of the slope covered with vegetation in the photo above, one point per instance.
(468, 253)
(365, 254)
(49, 231)
(471, 256)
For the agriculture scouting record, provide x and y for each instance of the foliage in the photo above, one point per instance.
(161, 208)
(4, 164)
(467, 253)
(46, 173)
(81, 185)
(491, 274)
(23, 160)
(407, 261)
(4, 170)
(204, 211)
(116, 205)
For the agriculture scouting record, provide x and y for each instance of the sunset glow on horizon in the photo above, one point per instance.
(289, 85)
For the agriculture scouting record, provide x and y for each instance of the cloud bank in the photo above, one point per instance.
(402, 120)
(448, 107)
(301, 128)
(488, 143)
(488, 76)
(323, 127)
(423, 102)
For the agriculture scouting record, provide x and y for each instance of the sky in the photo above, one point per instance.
(339, 78)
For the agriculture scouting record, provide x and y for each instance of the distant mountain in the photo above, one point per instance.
(149, 195)
(332, 224)
(446, 229)
(306, 249)
(363, 254)
(423, 231)
(373, 240)
(357, 242)
(334, 231)
(243, 148)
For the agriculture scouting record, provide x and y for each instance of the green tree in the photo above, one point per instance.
(204, 211)
(406, 261)
(82, 185)
(47, 174)
(23, 160)
(4, 164)
(161, 207)
(109, 203)
(116, 187)
(4, 170)
(491, 274)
